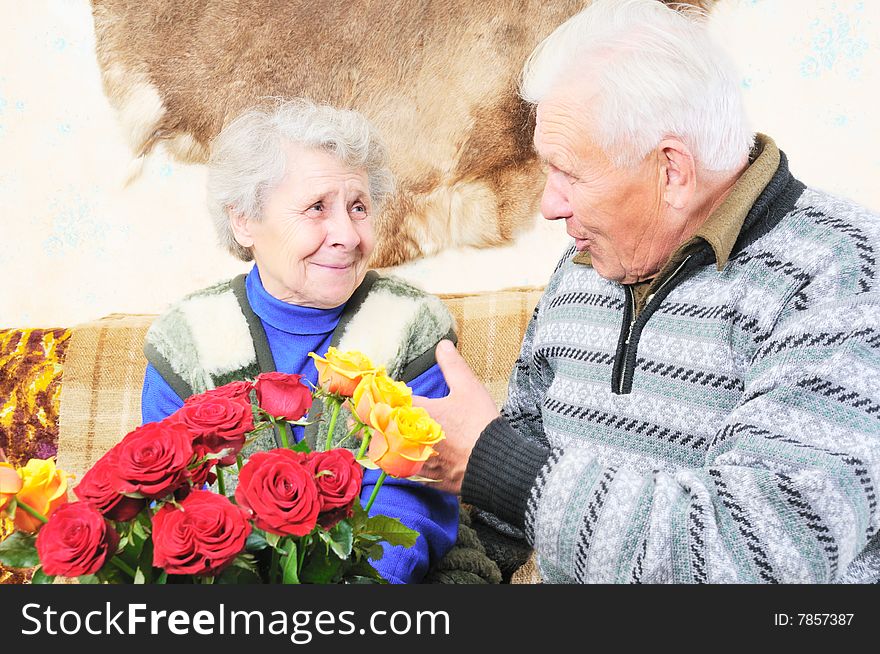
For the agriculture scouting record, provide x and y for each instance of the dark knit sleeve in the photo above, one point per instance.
(502, 471)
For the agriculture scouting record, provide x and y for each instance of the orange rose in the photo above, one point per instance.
(10, 484)
(402, 438)
(379, 389)
(340, 372)
(43, 488)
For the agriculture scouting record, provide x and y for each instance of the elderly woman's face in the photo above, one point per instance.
(312, 243)
(614, 214)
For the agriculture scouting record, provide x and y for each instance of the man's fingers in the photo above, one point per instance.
(425, 402)
(455, 369)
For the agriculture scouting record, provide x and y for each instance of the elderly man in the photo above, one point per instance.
(697, 397)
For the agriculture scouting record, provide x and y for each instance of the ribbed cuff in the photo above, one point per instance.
(501, 472)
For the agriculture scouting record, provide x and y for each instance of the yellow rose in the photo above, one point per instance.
(402, 438)
(10, 484)
(43, 488)
(379, 389)
(340, 372)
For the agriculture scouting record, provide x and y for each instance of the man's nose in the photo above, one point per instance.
(554, 201)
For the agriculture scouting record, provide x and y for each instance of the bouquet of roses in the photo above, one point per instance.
(147, 511)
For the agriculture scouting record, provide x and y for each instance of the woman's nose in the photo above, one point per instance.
(340, 230)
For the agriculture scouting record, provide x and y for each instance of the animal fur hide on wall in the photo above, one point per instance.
(437, 77)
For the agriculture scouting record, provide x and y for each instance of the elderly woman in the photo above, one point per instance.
(296, 190)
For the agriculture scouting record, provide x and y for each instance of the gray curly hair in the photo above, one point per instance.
(248, 158)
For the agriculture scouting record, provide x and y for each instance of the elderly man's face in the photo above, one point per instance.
(614, 214)
(316, 234)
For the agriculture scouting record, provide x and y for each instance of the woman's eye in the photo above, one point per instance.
(359, 211)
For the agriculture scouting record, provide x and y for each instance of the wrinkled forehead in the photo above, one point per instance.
(562, 119)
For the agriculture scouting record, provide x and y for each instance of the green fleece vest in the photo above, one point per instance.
(212, 337)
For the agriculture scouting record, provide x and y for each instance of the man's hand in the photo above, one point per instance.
(463, 414)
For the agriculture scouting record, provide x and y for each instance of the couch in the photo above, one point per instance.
(75, 392)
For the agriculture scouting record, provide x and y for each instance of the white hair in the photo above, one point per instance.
(657, 73)
(248, 158)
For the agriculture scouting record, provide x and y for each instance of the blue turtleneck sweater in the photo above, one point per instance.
(293, 332)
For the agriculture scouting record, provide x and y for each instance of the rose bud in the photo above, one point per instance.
(216, 422)
(76, 541)
(279, 492)
(339, 373)
(99, 487)
(43, 488)
(338, 477)
(153, 459)
(402, 439)
(10, 484)
(378, 389)
(235, 390)
(282, 395)
(201, 536)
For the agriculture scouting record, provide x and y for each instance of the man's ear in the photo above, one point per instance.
(241, 227)
(680, 183)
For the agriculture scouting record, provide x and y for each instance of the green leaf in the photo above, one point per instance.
(357, 579)
(392, 530)
(139, 530)
(341, 539)
(162, 578)
(358, 517)
(273, 540)
(375, 552)
(88, 579)
(320, 568)
(363, 573)
(256, 541)
(41, 577)
(302, 446)
(289, 571)
(139, 577)
(237, 575)
(19, 550)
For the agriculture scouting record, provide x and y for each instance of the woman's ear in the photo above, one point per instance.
(241, 228)
(681, 173)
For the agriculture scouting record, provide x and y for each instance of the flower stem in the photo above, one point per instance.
(285, 439)
(122, 565)
(337, 405)
(239, 462)
(365, 442)
(29, 509)
(273, 568)
(375, 492)
(304, 544)
(221, 480)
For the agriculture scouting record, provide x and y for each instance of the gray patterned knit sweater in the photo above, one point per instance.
(740, 441)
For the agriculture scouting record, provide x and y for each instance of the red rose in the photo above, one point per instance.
(280, 492)
(218, 423)
(201, 537)
(153, 459)
(338, 477)
(76, 541)
(204, 472)
(99, 486)
(283, 395)
(233, 390)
